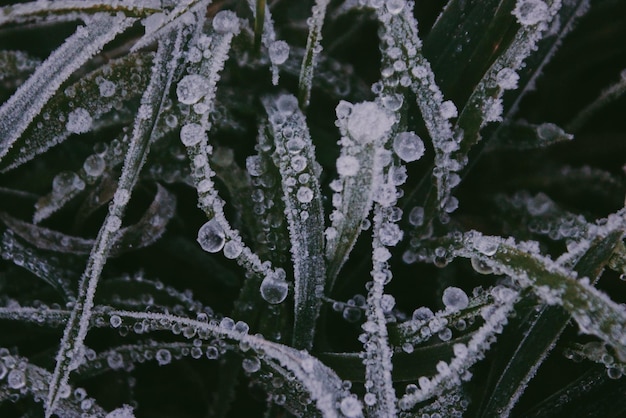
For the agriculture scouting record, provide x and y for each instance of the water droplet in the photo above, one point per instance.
(531, 12)
(274, 289)
(232, 249)
(115, 321)
(67, 181)
(192, 134)
(251, 365)
(422, 314)
(79, 121)
(163, 357)
(192, 88)
(395, 6)
(455, 299)
(304, 195)
(368, 122)
(107, 88)
(16, 379)
(480, 266)
(408, 146)
(94, 165)
(347, 165)
(350, 407)
(279, 52)
(226, 22)
(211, 236)
(287, 104)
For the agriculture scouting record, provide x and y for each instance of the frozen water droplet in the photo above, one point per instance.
(480, 266)
(279, 52)
(251, 365)
(226, 22)
(113, 223)
(123, 412)
(163, 357)
(232, 249)
(416, 216)
(408, 146)
(343, 109)
(255, 166)
(493, 110)
(94, 165)
(422, 314)
(448, 110)
(531, 12)
(191, 134)
(212, 352)
(65, 182)
(274, 290)
(79, 121)
(507, 79)
(389, 234)
(287, 104)
(455, 299)
(350, 407)
(393, 102)
(107, 88)
(115, 360)
(115, 321)
(16, 379)
(304, 195)
(121, 197)
(298, 163)
(211, 236)
(368, 122)
(549, 131)
(295, 145)
(395, 6)
(192, 88)
(347, 165)
(486, 245)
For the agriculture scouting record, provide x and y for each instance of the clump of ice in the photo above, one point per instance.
(368, 122)
(531, 12)
(79, 121)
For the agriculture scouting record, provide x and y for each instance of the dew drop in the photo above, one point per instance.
(226, 22)
(211, 236)
(94, 165)
(279, 52)
(350, 407)
(273, 289)
(16, 379)
(232, 249)
(115, 321)
(191, 134)
(408, 146)
(347, 165)
(251, 365)
(455, 299)
(163, 357)
(192, 88)
(304, 195)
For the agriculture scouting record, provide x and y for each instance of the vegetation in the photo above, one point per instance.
(331, 208)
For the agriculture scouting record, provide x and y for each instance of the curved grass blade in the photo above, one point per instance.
(71, 347)
(524, 353)
(20, 110)
(313, 48)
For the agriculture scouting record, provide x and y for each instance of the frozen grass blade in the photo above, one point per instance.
(18, 112)
(295, 159)
(313, 48)
(71, 348)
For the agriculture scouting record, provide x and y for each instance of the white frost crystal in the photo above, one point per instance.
(368, 122)
(531, 12)
(279, 52)
(79, 121)
(347, 165)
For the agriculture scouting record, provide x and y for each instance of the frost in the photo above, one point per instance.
(531, 12)
(347, 165)
(368, 122)
(211, 236)
(79, 121)
(107, 88)
(279, 52)
(507, 79)
(123, 412)
(408, 146)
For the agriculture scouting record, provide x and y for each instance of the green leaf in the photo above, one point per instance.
(524, 349)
